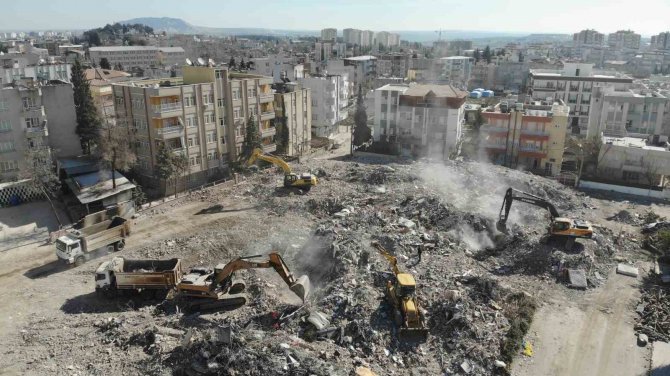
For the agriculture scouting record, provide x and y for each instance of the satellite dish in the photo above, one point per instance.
(188, 61)
(201, 61)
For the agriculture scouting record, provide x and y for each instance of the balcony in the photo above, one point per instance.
(34, 110)
(39, 131)
(167, 107)
(267, 115)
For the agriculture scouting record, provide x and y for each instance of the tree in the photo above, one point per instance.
(252, 139)
(487, 54)
(104, 63)
(41, 174)
(115, 150)
(231, 63)
(362, 133)
(477, 55)
(88, 121)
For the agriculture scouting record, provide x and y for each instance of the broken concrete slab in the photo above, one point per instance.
(577, 278)
(628, 270)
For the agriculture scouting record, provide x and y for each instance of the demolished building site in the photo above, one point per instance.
(477, 287)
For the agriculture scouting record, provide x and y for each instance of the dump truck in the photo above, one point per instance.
(73, 247)
(150, 278)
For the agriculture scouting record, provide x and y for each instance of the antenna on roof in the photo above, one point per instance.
(189, 62)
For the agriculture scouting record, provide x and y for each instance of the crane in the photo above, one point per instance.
(303, 181)
(560, 227)
(401, 294)
(210, 290)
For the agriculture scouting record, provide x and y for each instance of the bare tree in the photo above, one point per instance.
(115, 150)
(41, 175)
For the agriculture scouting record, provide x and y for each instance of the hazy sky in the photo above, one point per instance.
(646, 17)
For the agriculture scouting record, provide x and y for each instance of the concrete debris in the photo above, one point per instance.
(628, 270)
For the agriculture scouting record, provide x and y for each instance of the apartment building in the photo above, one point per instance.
(573, 85)
(34, 115)
(329, 35)
(588, 37)
(201, 115)
(624, 39)
(392, 65)
(138, 56)
(293, 115)
(630, 113)
(329, 96)
(457, 70)
(532, 137)
(421, 120)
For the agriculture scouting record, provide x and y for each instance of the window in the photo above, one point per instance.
(6, 146)
(6, 166)
(211, 137)
(5, 126)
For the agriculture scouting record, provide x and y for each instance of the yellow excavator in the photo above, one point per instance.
(207, 290)
(401, 293)
(560, 227)
(291, 180)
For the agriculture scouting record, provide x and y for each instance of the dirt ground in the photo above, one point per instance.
(573, 332)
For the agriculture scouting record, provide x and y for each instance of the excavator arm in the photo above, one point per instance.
(258, 154)
(515, 195)
(222, 273)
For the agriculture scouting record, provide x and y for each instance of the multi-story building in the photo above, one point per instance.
(392, 65)
(35, 116)
(330, 96)
(588, 37)
(202, 116)
(352, 36)
(138, 56)
(457, 69)
(293, 111)
(624, 39)
(573, 85)
(365, 70)
(532, 137)
(329, 35)
(661, 41)
(421, 120)
(634, 113)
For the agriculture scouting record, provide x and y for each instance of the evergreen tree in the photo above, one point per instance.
(88, 121)
(362, 133)
(252, 139)
(104, 63)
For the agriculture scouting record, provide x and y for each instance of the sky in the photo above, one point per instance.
(647, 17)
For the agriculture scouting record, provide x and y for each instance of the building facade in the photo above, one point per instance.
(329, 98)
(293, 115)
(532, 137)
(573, 85)
(202, 116)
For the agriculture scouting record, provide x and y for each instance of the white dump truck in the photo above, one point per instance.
(72, 247)
(151, 278)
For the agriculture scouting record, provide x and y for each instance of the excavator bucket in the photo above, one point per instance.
(302, 287)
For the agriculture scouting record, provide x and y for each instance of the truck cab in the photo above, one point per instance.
(69, 249)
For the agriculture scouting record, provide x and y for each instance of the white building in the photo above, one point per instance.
(329, 100)
(138, 56)
(573, 85)
(636, 113)
(329, 35)
(457, 69)
(421, 120)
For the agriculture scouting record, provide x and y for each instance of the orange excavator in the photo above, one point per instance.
(209, 290)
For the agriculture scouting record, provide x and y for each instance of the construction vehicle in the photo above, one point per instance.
(205, 290)
(560, 227)
(151, 278)
(303, 181)
(401, 293)
(72, 247)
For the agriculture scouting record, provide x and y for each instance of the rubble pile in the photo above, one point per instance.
(472, 281)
